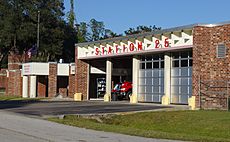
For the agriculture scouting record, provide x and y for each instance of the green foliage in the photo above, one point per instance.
(97, 29)
(141, 29)
(71, 15)
(93, 31)
(181, 125)
(18, 29)
(82, 32)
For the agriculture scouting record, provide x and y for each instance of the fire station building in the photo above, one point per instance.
(182, 65)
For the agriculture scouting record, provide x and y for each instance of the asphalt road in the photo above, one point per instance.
(50, 108)
(18, 128)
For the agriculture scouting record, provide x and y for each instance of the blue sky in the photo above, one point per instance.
(119, 15)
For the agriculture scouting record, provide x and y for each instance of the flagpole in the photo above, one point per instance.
(38, 29)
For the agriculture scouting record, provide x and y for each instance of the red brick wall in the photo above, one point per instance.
(14, 83)
(52, 80)
(71, 88)
(3, 78)
(208, 66)
(42, 84)
(81, 76)
(15, 60)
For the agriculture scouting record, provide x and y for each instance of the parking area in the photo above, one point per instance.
(54, 108)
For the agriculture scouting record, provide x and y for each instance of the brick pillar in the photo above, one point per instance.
(52, 80)
(71, 89)
(81, 76)
(14, 83)
(14, 79)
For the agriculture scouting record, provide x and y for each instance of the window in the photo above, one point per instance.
(149, 65)
(184, 63)
(175, 63)
(221, 51)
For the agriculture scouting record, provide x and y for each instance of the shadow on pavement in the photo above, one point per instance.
(7, 104)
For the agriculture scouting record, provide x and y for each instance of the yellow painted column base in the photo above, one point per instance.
(192, 102)
(78, 97)
(165, 100)
(107, 98)
(133, 99)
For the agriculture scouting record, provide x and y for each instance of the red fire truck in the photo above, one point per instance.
(122, 91)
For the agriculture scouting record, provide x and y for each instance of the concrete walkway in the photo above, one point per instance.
(15, 127)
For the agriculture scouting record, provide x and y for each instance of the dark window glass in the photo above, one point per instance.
(143, 58)
(175, 55)
(190, 54)
(190, 62)
(162, 64)
(184, 54)
(149, 65)
(161, 57)
(148, 58)
(155, 65)
(184, 63)
(175, 63)
(142, 65)
(155, 57)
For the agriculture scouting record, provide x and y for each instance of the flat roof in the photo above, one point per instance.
(179, 28)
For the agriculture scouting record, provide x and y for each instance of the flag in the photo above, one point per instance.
(32, 51)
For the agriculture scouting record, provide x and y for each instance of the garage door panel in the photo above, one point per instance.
(152, 77)
(148, 73)
(148, 89)
(156, 81)
(184, 98)
(141, 89)
(148, 98)
(141, 81)
(141, 73)
(181, 77)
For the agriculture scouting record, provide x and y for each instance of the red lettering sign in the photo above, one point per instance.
(139, 46)
(117, 48)
(103, 50)
(124, 48)
(110, 50)
(157, 43)
(131, 47)
(97, 51)
(166, 42)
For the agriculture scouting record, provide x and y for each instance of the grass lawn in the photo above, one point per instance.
(15, 98)
(180, 125)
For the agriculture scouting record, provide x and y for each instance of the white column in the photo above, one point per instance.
(33, 86)
(167, 77)
(109, 67)
(135, 79)
(25, 86)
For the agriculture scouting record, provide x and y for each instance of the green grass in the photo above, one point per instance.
(15, 98)
(180, 125)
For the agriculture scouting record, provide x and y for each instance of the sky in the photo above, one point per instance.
(120, 15)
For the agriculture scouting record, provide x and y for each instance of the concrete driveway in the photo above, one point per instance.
(18, 128)
(52, 108)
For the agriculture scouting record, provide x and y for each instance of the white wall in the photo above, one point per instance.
(35, 69)
(63, 69)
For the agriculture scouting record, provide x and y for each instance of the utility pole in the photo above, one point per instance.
(38, 29)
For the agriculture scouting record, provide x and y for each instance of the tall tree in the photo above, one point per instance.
(97, 29)
(83, 33)
(71, 14)
(141, 29)
(18, 27)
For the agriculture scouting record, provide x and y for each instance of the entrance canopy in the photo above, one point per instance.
(163, 40)
(37, 68)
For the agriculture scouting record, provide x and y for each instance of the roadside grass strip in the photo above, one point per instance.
(200, 125)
